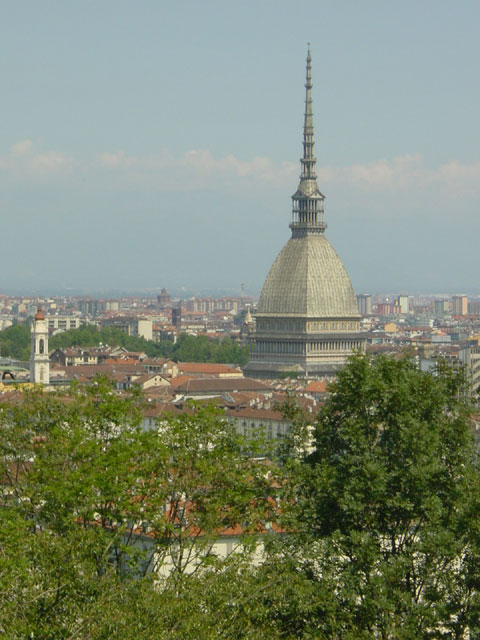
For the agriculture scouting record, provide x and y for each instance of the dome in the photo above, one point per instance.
(308, 279)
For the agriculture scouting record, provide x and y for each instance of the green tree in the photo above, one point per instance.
(385, 506)
(381, 535)
(210, 485)
(202, 349)
(15, 341)
(187, 348)
(90, 336)
(91, 503)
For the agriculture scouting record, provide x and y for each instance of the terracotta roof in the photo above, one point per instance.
(92, 370)
(317, 386)
(178, 380)
(160, 392)
(257, 414)
(207, 367)
(120, 360)
(199, 385)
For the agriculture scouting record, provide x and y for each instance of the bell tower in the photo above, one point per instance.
(39, 361)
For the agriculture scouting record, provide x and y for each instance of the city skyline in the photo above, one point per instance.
(158, 146)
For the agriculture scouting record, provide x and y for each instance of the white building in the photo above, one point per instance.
(39, 360)
(403, 304)
(64, 323)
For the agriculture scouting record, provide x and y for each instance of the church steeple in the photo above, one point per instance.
(307, 209)
(39, 360)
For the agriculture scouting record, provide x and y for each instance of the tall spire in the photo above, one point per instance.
(307, 210)
(308, 160)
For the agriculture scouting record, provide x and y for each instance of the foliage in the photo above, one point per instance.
(90, 336)
(186, 349)
(91, 502)
(203, 349)
(15, 341)
(384, 505)
(379, 495)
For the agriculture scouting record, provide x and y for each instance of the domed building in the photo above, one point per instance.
(307, 319)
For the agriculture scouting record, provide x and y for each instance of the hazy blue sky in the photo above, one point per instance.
(151, 143)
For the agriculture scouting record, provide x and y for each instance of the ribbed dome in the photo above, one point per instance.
(308, 279)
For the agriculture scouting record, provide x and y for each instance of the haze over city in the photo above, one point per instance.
(157, 144)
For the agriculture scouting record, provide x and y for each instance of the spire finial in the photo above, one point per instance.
(308, 201)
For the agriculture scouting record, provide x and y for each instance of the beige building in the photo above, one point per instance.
(459, 305)
(307, 320)
(5, 321)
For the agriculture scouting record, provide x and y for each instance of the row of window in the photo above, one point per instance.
(271, 430)
(267, 346)
(325, 326)
(310, 326)
(281, 324)
(337, 345)
(300, 348)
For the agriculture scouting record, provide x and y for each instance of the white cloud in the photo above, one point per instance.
(117, 159)
(258, 168)
(410, 170)
(390, 174)
(198, 168)
(460, 177)
(50, 161)
(23, 160)
(21, 148)
(200, 159)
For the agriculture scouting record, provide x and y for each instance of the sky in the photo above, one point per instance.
(155, 144)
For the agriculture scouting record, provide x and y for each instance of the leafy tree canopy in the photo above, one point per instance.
(385, 503)
(15, 341)
(379, 496)
(186, 349)
(91, 505)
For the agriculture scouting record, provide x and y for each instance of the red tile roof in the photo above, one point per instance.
(317, 386)
(207, 368)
